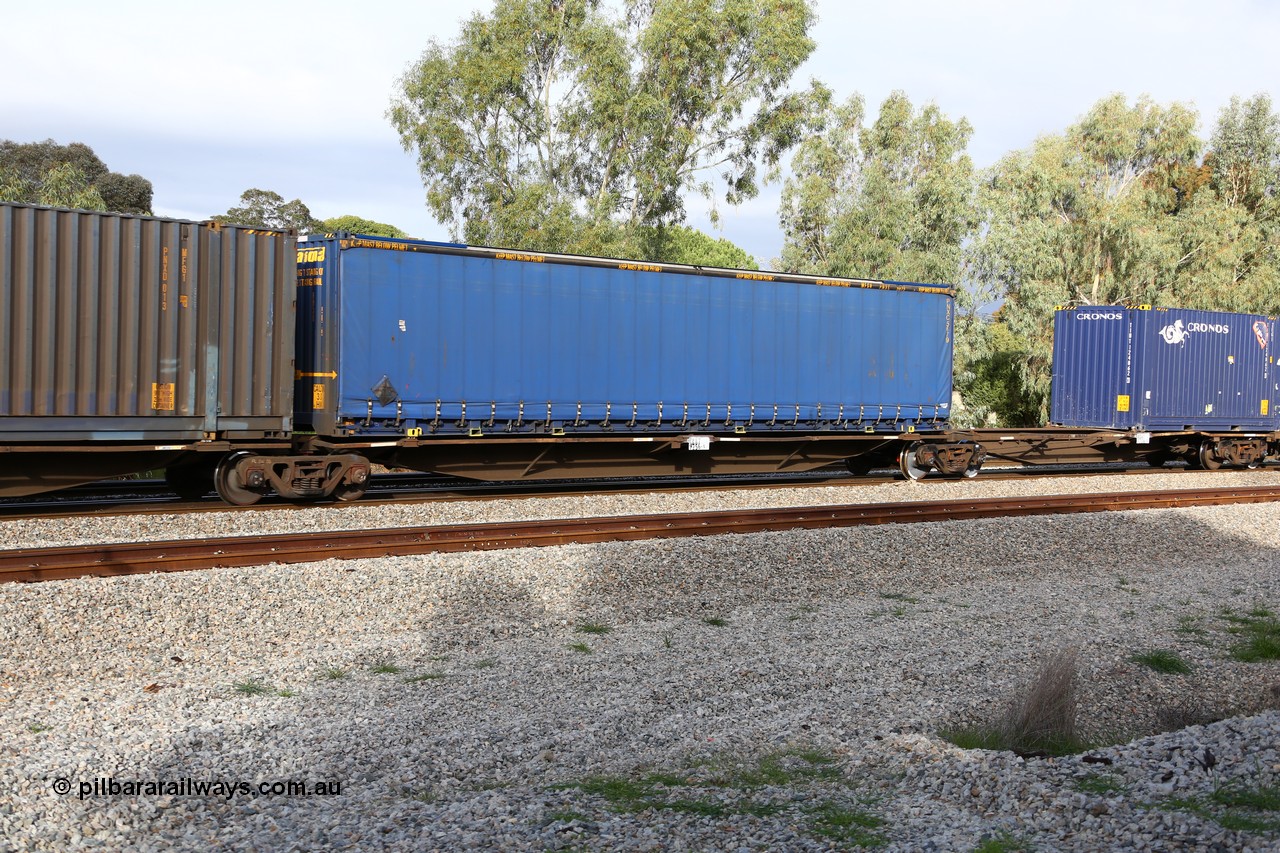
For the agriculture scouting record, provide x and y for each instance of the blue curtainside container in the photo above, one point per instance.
(1164, 369)
(417, 338)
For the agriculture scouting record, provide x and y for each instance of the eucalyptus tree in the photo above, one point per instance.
(69, 175)
(1229, 215)
(268, 209)
(891, 200)
(569, 124)
(1084, 217)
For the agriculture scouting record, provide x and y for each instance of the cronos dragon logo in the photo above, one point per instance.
(1177, 332)
(1174, 334)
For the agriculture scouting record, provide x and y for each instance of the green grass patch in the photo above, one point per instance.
(1003, 842)
(1190, 625)
(37, 728)
(580, 647)
(424, 676)
(485, 663)
(734, 791)
(252, 687)
(1099, 784)
(1235, 806)
(386, 667)
(592, 628)
(1162, 661)
(334, 673)
(1258, 635)
(286, 693)
(839, 822)
(715, 621)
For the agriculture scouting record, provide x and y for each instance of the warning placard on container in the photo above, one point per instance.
(1122, 402)
(162, 396)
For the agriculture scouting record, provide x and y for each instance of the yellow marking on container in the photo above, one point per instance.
(311, 255)
(317, 396)
(1122, 402)
(640, 267)
(521, 256)
(1266, 406)
(162, 396)
(754, 276)
(332, 374)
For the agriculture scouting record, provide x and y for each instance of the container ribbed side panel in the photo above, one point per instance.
(126, 327)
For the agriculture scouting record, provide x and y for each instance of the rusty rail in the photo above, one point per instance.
(131, 558)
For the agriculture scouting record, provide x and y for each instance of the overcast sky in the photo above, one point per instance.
(207, 100)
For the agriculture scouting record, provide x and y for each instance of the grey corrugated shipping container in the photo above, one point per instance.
(130, 328)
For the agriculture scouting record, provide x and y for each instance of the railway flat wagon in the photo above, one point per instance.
(498, 364)
(1200, 384)
(133, 342)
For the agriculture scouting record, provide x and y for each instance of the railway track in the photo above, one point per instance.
(143, 497)
(131, 558)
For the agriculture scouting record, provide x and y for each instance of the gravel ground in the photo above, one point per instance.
(769, 691)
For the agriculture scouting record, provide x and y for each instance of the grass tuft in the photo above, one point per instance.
(592, 628)
(1260, 635)
(1003, 842)
(1162, 661)
(1100, 784)
(841, 823)
(1038, 720)
(715, 621)
(580, 647)
(334, 673)
(252, 687)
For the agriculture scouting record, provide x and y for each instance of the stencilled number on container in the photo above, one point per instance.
(1122, 402)
(162, 396)
(317, 396)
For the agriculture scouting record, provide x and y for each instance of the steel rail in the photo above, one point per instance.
(181, 555)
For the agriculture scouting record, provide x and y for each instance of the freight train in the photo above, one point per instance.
(245, 361)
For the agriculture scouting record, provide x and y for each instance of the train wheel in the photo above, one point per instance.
(229, 486)
(191, 481)
(350, 491)
(1207, 460)
(907, 465)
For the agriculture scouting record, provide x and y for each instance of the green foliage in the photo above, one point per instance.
(562, 126)
(267, 209)
(894, 200)
(1163, 661)
(359, 225)
(988, 363)
(1003, 842)
(1259, 636)
(679, 244)
(1121, 209)
(68, 176)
